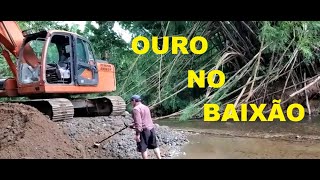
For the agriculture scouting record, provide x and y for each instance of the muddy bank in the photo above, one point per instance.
(86, 131)
(26, 133)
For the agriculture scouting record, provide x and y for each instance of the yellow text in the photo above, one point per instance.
(211, 113)
(178, 43)
(200, 80)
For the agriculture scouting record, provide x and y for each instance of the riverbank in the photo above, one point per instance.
(26, 133)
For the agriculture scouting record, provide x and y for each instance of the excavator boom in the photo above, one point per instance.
(11, 36)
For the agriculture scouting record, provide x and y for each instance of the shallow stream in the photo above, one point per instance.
(234, 140)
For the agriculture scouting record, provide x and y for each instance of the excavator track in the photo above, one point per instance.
(117, 104)
(62, 109)
(99, 106)
(58, 109)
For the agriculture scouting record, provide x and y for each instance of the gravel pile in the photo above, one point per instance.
(87, 131)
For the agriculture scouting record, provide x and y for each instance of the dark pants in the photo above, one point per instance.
(148, 140)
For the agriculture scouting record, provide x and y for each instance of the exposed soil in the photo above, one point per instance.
(26, 133)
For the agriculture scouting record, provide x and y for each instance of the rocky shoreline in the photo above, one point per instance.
(86, 132)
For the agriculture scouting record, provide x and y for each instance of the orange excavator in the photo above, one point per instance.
(51, 66)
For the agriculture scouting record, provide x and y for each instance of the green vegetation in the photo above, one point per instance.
(253, 55)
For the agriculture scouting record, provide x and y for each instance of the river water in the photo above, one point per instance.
(235, 140)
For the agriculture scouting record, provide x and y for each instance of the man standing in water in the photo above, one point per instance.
(145, 133)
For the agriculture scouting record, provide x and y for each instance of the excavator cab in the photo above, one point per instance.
(53, 65)
(66, 58)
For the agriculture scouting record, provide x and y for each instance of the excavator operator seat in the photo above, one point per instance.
(64, 63)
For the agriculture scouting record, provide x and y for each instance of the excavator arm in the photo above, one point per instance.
(11, 37)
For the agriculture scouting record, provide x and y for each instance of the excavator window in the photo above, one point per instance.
(37, 46)
(86, 69)
(90, 51)
(30, 57)
(58, 70)
(52, 53)
(85, 53)
(81, 51)
(91, 54)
